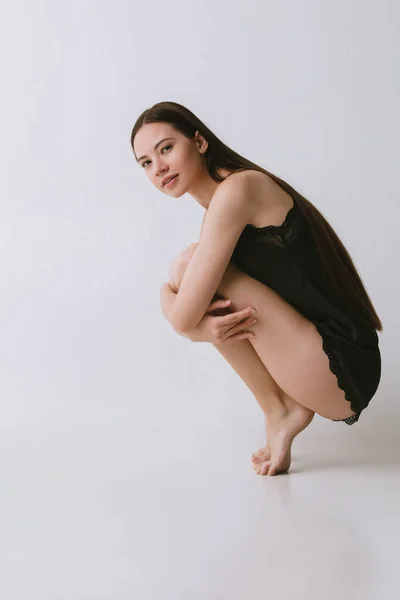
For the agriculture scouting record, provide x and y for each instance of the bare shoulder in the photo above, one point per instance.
(240, 189)
(246, 179)
(235, 196)
(271, 202)
(266, 202)
(254, 183)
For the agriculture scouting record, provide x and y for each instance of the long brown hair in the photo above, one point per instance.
(341, 274)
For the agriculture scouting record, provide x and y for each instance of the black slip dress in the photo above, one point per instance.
(285, 258)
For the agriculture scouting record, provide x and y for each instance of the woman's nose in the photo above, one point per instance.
(160, 170)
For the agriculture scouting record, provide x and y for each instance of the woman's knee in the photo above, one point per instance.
(179, 264)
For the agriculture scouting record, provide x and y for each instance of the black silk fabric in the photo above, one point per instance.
(285, 258)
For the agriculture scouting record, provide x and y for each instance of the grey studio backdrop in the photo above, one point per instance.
(91, 373)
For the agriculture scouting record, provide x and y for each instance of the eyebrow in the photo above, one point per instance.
(155, 147)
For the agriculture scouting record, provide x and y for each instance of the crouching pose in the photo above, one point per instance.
(300, 329)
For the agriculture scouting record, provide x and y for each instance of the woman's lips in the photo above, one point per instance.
(171, 183)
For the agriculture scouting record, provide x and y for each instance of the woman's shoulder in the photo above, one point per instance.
(253, 183)
(272, 203)
(246, 175)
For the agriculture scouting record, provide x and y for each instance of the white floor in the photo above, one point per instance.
(120, 512)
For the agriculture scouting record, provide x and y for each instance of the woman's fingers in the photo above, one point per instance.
(240, 336)
(232, 325)
(218, 304)
(228, 321)
(240, 327)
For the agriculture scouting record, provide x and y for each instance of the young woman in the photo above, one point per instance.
(314, 347)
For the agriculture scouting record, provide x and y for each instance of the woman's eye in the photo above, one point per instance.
(165, 147)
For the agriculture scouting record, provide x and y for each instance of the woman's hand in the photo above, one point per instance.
(224, 326)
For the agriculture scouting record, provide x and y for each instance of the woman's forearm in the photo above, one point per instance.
(167, 299)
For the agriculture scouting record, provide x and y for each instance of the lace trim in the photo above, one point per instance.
(345, 379)
(289, 214)
(350, 420)
(280, 235)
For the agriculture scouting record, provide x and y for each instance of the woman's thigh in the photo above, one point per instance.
(287, 343)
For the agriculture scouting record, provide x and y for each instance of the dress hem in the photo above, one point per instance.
(342, 380)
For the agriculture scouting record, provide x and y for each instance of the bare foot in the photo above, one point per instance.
(280, 455)
(259, 457)
(282, 428)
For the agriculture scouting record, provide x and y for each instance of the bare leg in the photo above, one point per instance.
(276, 405)
(245, 361)
(290, 348)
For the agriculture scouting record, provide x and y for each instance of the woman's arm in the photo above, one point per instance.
(169, 290)
(231, 209)
(167, 299)
(202, 223)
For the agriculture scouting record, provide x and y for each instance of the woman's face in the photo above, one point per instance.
(175, 155)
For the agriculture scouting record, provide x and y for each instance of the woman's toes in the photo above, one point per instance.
(260, 456)
(258, 462)
(257, 466)
(269, 468)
